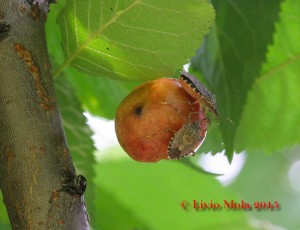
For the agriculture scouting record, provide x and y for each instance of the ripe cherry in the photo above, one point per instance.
(161, 119)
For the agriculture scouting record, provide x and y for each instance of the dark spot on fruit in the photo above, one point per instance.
(138, 110)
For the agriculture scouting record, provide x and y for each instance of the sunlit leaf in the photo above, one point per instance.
(271, 119)
(99, 96)
(232, 56)
(132, 39)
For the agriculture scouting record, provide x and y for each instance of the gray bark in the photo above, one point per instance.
(37, 177)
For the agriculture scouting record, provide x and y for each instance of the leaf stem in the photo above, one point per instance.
(57, 72)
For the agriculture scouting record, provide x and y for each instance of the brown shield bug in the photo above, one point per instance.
(198, 91)
(187, 140)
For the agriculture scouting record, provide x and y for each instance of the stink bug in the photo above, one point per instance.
(198, 91)
(191, 135)
(187, 140)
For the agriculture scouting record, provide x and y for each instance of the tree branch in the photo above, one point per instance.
(37, 177)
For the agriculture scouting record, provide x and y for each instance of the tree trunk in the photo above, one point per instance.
(37, 177)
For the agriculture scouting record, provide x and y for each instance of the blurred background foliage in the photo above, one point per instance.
(250, 60)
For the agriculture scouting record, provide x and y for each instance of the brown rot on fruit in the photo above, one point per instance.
(164, 119)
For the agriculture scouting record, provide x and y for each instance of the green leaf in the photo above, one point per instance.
(100, 96)
(232, 56)
(152, 194)
(4, 221)
(192, 162)
(132, 39)
(213, 142)
(78, 136)
(265, 178)
(271, 116)
(126, 218)
(54, 40)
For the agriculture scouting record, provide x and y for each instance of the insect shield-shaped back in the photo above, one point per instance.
(191, 135)
(198, 91)
(187, 140)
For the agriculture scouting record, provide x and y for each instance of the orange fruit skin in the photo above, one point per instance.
(150, 115)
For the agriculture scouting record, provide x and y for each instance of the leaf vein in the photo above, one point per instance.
(144, 50)
(88, 16)
(92, 36)
(67, 36)
(160, 9)
(75, 21)
(148, 30)
(120, 59)
(279, 67)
